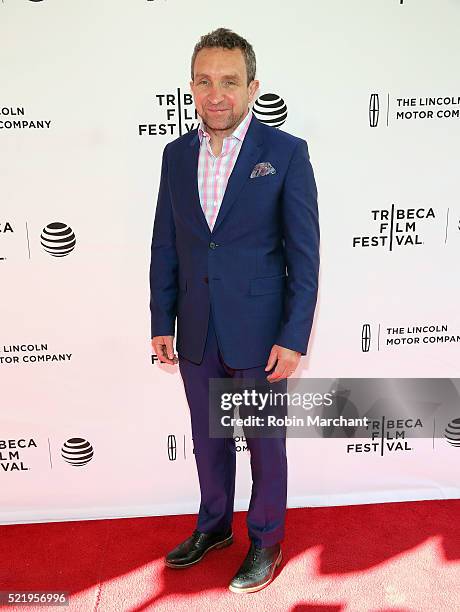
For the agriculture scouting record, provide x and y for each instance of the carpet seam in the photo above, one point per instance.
(98, 597)
(99, 576)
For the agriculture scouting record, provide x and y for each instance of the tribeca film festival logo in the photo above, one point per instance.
(13, 454)
(398, 227)
(407, 335)
(383, 401)
(57, 239)
(384, 109)
(13, 118)
(6, 234)
(387, 435)
(179, 116)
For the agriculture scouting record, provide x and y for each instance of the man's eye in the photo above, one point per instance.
(203, 82)
(230, 83)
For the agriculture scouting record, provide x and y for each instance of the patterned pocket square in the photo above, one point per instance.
(262, 169)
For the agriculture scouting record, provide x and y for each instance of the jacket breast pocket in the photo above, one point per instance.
(268, 284)
(270, 181)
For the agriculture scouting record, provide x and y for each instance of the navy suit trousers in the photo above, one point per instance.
(216, 457)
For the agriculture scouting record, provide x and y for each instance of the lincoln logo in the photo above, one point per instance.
(172, 447)
(374, 110)
(366, 338)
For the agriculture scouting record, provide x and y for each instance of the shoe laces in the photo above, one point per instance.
(196, 535)
(256, 552)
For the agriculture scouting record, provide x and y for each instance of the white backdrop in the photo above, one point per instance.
(83, 121)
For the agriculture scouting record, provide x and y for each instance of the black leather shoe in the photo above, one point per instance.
(257, 569)
(194, 548)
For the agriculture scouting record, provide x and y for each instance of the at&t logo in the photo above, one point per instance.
(270, 109)
(58, 239)
(77, 452)
(452, 432)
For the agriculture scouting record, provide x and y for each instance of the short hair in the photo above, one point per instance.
(223, 37)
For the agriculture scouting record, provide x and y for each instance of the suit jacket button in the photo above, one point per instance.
(212, 245)
(206, 279)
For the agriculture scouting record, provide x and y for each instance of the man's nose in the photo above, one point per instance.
(215, 94)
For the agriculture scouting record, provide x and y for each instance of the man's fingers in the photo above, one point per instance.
(276, 375)
(271, 359)
(278, 372)
(284, 369)
(163, 347)
(168, 340)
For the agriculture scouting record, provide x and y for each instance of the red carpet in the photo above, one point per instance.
(397, 557)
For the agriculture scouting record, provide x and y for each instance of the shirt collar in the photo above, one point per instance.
(239, 132)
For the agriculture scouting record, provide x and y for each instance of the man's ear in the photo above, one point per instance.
(253, 89)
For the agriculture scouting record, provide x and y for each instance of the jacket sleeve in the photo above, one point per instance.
(163, 262)
(301, 237)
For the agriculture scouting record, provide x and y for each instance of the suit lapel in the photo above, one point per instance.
(191, 178)
(247, 158)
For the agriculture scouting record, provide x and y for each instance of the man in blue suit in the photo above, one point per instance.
(235, 258)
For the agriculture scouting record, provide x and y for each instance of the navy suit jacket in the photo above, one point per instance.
(257, 269)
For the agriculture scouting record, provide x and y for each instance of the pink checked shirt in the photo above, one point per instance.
(214, 172)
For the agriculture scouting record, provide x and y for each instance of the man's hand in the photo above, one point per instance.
(163, 347)
(286, 362)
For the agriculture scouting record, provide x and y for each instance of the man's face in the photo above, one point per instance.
(220, 87)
